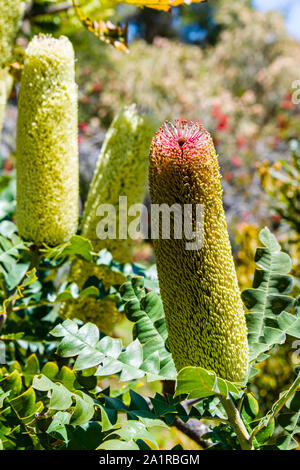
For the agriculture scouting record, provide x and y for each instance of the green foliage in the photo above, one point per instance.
(289, 421)
(281, 182)
(146, 311)
(65, 385)
(11, 246)
(200, 383)
(61, 396)
(269, 320)
(108, 354)
(52, 403)
(18, 406)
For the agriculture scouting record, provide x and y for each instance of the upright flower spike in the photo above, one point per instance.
(10, 15)
(199, 289)
(47, 149)
(121, 170)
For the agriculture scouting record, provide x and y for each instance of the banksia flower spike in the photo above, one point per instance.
(10, 15)
(121, 170)
(47, 149)
(199, 289)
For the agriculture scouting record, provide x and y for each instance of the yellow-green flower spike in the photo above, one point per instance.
(199, 289)
(121, 170)
(47, 148)
(11, 12)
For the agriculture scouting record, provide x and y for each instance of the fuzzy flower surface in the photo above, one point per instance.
(121, 170)
(199, 288)
(11, 12)
(47, 150)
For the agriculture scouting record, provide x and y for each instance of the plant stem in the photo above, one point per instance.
(237, 423)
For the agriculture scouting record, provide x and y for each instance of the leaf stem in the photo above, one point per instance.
(237, 423)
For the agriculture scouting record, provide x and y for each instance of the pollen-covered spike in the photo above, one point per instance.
(122, 170)
(11, 12)
(47, 148)
(199, 289)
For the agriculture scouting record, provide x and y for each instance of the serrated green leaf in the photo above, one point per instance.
(25, 405)
(199, 383)
(61, 398)
(268, 321)
(285, 397)
(131, 431)
(146, 311)
(77, 246)
(116, 444)
(58, 424)
(250, 408)
(30, 369)
(108, 354)
(266, 432)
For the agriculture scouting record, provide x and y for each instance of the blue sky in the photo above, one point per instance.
(289, 8)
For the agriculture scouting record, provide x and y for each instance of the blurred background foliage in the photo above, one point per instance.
(222, 62)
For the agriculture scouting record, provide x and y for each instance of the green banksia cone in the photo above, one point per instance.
(199, 288)
(47, 149)
(121, 170)
(11, 12)
(10, 15)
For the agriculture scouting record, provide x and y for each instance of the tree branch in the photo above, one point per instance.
(48, 10)
(237, 423)
(193, 429)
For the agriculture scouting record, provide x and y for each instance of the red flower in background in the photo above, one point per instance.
(96, 87)
(83, 126)
(216, 111)
(237, 161)
(221, 118)
(7, 166)
(223, 123)
(240, 141)
(228, 176)
(276, 218)
(282, 121)
(287, 102)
